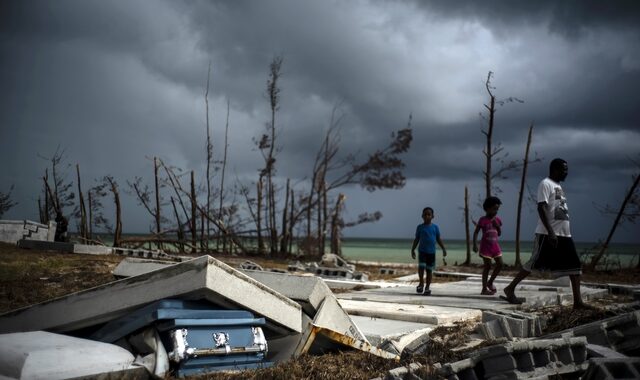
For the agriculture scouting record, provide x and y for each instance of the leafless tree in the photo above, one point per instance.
(495, 152)
(209, 149)
(467, 261)
(632, 198)
(117, 232)
(81, 210)
(525, 165)
(5, 201)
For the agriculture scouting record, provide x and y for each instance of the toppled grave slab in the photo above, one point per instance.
(202, 278)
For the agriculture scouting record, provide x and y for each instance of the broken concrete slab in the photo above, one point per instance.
(434, 315)
(333, 317)
(465, 294)
(12, 231)
(203, 278)
(131, 266)
(322, 340)
(45, 355)
(378, 330)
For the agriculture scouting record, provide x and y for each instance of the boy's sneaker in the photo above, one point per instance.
(427, 292)
(492, 288)
(419, 289)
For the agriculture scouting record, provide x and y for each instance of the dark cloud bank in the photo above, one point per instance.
(118, 82)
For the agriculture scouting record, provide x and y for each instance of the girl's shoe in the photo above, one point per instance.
(427, 292)
(419, 289)
(492, 288)
(487, 292)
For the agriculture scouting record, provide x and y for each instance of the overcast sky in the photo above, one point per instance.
(117, 82)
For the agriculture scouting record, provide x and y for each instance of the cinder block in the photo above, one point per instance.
(612, 369)
(525, 361)
(564, 355)
(499, 364)
(541, 358)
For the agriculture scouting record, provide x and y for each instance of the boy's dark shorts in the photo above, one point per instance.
(427, 261)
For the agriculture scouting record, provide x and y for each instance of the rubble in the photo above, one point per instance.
(298, 314)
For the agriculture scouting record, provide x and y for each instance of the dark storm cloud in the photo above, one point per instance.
(117, 82)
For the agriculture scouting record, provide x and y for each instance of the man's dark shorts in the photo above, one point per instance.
(427, 261)
(560, 260)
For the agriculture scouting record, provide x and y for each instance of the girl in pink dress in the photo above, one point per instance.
(491, 225)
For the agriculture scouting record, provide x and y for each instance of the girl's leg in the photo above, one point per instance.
(494, 274)
(485, 272)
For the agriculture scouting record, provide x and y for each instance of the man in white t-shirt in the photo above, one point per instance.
(553, 247)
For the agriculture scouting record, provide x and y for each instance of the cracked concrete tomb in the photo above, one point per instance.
(203, 278)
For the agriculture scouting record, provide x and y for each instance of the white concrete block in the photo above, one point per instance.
(434, 315)
(308, 291)
(92, 249)
(44, 355)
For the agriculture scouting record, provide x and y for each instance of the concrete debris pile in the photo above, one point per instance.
(330, 266)
(195, 316)
(173, 315)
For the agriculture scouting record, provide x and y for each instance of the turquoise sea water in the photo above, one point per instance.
(399, 251)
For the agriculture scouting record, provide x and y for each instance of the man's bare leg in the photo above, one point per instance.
(510, 290)
(575, 288)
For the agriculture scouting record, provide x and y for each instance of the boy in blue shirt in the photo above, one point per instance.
(427, 234)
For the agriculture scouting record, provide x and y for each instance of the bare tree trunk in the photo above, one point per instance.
(325, 215)
(488, 150)
(224, 167)
(525, 164)
(595, 259)
(203, 241)
(336, 246)
(259, 217)
(117, 235)
(320, 234)
(40, 214)
(310, 203)
(83, 210)
(158, 226)
(46, 196)
(291, 223)
(180, 226)
(285, 214)
(194, 214)
(209, 158)
(466, 226)
(90, 221)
